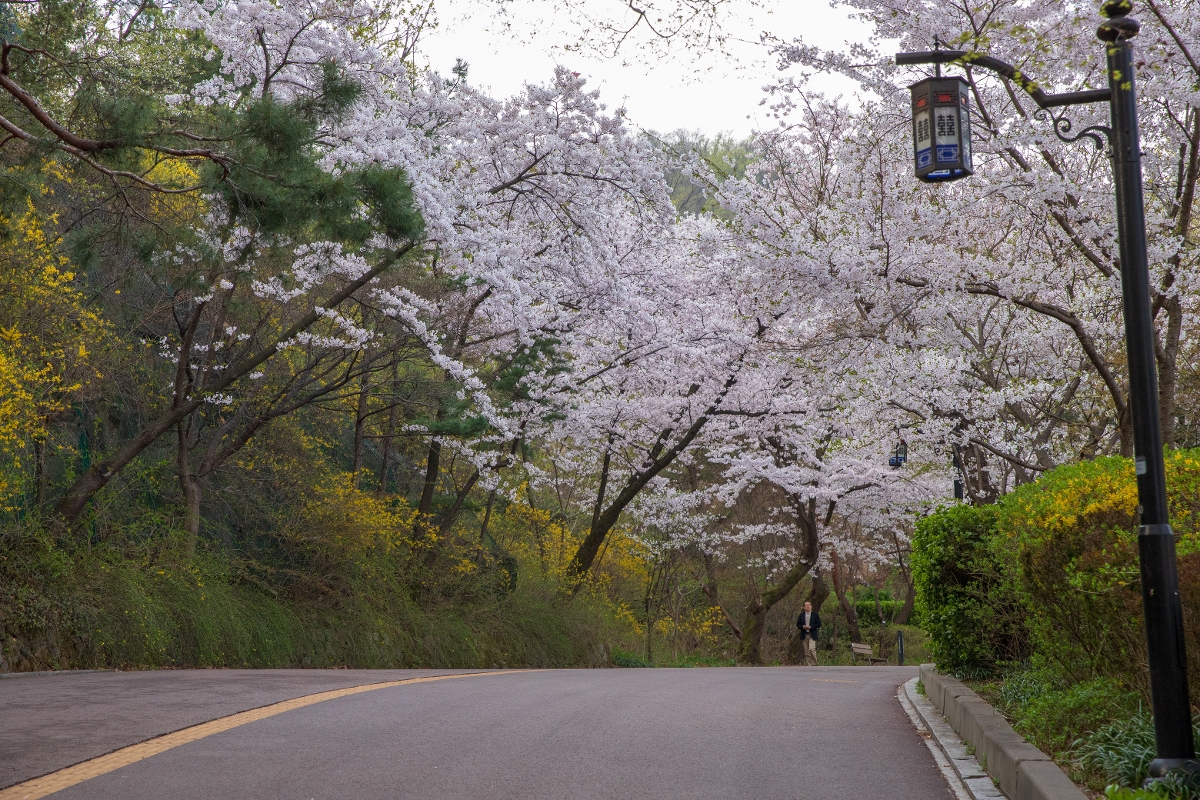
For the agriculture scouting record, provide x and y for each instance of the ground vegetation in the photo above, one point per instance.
(1037, 600)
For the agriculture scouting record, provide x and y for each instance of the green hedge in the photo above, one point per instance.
(867, 615)
(1051, 572)
(966, 592)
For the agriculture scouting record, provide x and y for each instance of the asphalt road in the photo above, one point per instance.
(770, 733)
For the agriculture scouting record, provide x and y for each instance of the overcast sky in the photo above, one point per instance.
(670, 94)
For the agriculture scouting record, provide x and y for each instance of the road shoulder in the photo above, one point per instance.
(968, 780)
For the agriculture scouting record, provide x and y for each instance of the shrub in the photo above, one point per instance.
(1115, 792)
(869, 615)
(123, 603)
(621, 658)
(966, 597)
(1122, 752)
(1055, 719)
(1052, 569)
(1075, 530)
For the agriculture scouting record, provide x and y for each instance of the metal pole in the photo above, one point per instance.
(1156, 543)
(900, 646)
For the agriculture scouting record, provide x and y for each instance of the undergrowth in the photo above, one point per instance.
(1122, 750)
(123, 604)
(1098, 730)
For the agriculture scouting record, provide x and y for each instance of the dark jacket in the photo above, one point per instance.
(814, 624)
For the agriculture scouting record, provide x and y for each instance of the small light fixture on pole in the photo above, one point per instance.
(1161, 608)
(941, 129)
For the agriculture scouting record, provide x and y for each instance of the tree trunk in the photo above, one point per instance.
(487, 518)
(1168, 369)
(459, 499)
(750, 647)
(190, 488)
(360, 426)
(910, 590)
(906, 610)
(660, 459)
(839, 588)
(487, 514)
(819, 592)
(387, 448)
(650, 587)
(710, 590)
(40, 478)
(433, 466)
(1125, 421)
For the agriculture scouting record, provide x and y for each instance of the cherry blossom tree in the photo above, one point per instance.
(1014, 270)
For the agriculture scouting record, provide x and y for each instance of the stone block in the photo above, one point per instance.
(932, 681)
(971, 717)
(1005, 754)
(1043, 780)
(986, 723)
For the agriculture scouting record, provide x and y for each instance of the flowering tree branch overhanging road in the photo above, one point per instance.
(506, 281)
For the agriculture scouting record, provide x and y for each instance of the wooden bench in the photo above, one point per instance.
(864, 650)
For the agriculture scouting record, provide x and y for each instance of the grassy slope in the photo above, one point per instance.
(113, 607)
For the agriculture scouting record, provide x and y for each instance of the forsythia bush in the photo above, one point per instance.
(47, 339)
(1056, 562)
(1075, 531)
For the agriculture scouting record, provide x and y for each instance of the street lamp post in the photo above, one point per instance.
(1156, 542)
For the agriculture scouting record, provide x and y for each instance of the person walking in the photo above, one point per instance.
(809, 623)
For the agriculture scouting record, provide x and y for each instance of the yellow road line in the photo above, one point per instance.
(86, 770)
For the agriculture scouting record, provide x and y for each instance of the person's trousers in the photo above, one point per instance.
(810, 652)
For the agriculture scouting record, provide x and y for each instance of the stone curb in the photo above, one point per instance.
(973, 779)
(1022, 771)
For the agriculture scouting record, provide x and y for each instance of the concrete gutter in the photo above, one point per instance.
(1022, 771)
(968, 780)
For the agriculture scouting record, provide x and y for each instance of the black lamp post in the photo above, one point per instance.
(1156, 542)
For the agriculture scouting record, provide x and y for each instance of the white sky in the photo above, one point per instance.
(665, 96)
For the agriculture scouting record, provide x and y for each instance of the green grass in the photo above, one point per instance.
(123, 607)
(1122, 751)
(1098, 730)
(702, 660)
(622, 658)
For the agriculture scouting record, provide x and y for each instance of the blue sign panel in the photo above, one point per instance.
(924, 158)
(947, 152)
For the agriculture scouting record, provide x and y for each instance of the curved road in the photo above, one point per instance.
(766, 733)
